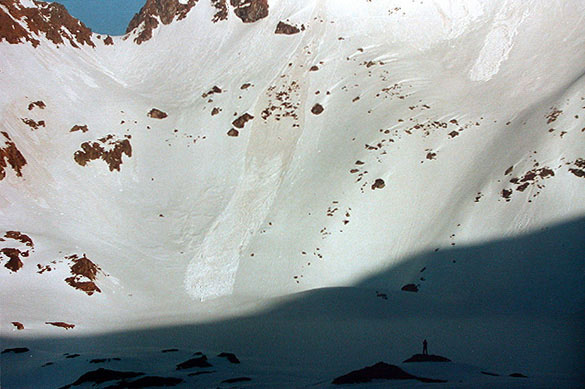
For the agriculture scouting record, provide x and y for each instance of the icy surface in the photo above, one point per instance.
(281, 244)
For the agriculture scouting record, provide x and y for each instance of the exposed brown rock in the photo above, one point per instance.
(221, 10)
(164, 10)
(19, 326)
(245, 86)
(33, 124)
(431, 155)
(233, 132)
(39, 104)
(215, 111)
(409, 288)
(108, 41)
(215, 89)
(45, 19)
(553, 115)
(14, 263)
(83, 269)
(317, 109)
(250, 11)
(20, 237)
(82, 128)
(241, 121)
(10, 155)
(314, 68)
(61, 324)
(157, 114)
(378, 184)
(287, 29)
(108, 149)
(579, 169)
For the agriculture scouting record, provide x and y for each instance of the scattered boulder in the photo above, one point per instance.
(148, 382)
(379, 371)
(169, 350)
(317, 109)
(40, 104)
(194, 362)
(33, 124)
(156, 113)
(236, 379)
(241, 121)
(409, 288)
(518, 375)
(108, 41)
(286, 29)
(77, 127)
(490, 374)
(61, 324)
(233, 132)
(201, 372)
(19, 326)
(104, 360)
(426, 358)
(378, 184)
(16, 350)
(230, 357)
(214, 90)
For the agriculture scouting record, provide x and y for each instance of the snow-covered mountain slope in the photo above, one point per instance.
(223, 154)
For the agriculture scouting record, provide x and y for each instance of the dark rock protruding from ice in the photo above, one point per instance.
(426, 358)
(103, 375)
(231, 357)
(379, 371)
(194, 362)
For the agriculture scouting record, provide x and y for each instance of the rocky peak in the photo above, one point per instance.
(28, 21)
(154, 11)
(250, 11)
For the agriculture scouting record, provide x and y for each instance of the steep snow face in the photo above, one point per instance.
(220, 158)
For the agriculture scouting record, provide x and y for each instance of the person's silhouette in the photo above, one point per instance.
(425, 347)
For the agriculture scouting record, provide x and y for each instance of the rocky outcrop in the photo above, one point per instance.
(109, 149)
(221, 10)
(15, 255)
(102, 375)
(19, 24)
(379, 371)
(165, 11)
(10, 155)
(84, 273)
(250, 11)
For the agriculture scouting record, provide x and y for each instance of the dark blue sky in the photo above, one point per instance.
(104, 16)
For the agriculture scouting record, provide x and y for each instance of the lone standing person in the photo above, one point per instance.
(425, 347)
